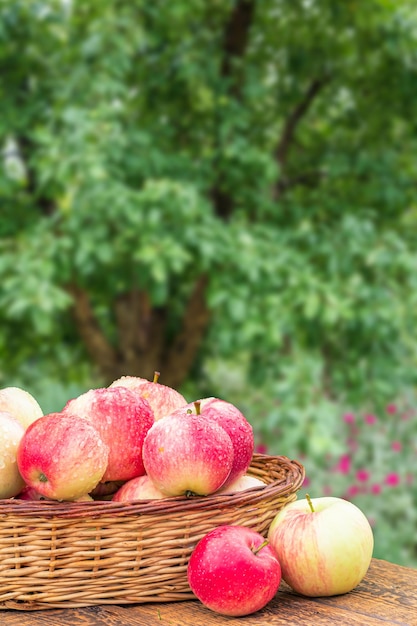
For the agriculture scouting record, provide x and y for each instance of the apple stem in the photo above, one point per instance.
(156, 376)
(310, 504)
(197, 405)
(259, 548)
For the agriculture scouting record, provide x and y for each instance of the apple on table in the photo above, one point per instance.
(234, 571)
(324, 545)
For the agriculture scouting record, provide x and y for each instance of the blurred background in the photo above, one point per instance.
(223, 191)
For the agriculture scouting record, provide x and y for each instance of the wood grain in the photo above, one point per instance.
(386, 597)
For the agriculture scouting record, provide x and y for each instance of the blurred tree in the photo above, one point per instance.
(189, 180)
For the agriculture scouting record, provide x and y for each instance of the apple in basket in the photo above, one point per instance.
(234, 571)
(62, 456)
(162, 398)
(21, 404)
(185, 453)
(324, 545)
(29, 493)
(240, 431)
(122, 419)
(11, 433)
(139, 488)
(242, 483)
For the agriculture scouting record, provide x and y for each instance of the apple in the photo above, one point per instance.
(324, 545)
(21, 404)
(139, 488)
(242, 483)
(187, 454)
(240, 431)
(29, 493)
(234, 571)
(162, 398)
(62, 456)
(122, 419)
(11, 432)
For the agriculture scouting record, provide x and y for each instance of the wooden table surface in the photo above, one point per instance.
(387, 596)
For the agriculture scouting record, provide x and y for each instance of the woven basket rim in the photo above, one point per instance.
(47, 509)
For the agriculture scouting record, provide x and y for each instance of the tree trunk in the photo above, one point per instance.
(143, 346)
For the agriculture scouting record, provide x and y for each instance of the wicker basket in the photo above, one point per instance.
(61, 555)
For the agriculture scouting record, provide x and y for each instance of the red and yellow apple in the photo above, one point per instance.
(62, 456)
(234, 571)
(324, 545)
(139, 488)
(185, 453)
(21, 404)
(162, 398)
(29, 493)
(242, 483)
(122, 418)
(240, 431)
(11, 433)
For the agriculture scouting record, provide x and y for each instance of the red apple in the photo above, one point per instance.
(187, 454)
(139, 488)
(324, 545)
(62, 456)
(229, 417)
(234, 571)
(11, 432)
(162, 398)
(21, 404)
(122, 419)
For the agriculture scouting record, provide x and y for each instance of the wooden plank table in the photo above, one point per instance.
(387, 596)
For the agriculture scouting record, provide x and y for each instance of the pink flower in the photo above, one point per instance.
(349, 418)
(327, 490)
(306, 482)
(261, 448)
(344, 464)
(362, 475)
(391, 409)
(396, 446)
(352, 443)
(392, 479)
(376, 489)
(370, 419)
(353, 490)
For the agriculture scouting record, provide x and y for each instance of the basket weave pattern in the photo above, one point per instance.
(62, 555)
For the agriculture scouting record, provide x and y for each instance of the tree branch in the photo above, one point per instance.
(97, 345)
(235, 42)
(26, 149)
(296, 115)
(185, 345)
